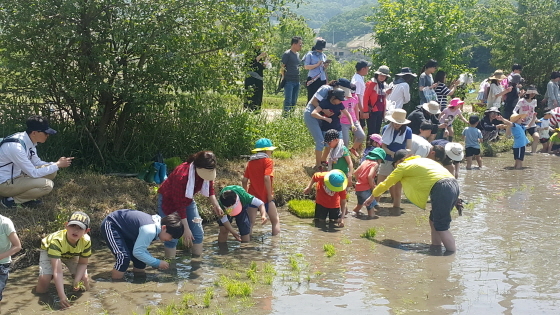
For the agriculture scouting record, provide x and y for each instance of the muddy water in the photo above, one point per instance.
(506, 262)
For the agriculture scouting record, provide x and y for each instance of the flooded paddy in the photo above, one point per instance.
(507, 260)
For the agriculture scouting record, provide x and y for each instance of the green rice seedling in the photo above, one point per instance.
(294, 264)
(189, 300)
(253, 266)
(369, 233)
(268, 279)
(235, 287)
(282, 155)
(329, 249)
(208, 295)
(302, 208)
(269, 269)
(346, 241)
(299, 255)
(252, 275)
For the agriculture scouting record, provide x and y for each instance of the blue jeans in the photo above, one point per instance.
(4, 273)
(314, 127)
(192, 214)
(291, 92)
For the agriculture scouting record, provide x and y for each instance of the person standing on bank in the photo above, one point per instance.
(425, 81)
(316, 62)
(422, 178)
(254, 83)
(362, 69)
(375, 101)
(290, 64)
(400, 90)
(24, 177)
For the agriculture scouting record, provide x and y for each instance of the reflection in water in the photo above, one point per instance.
(506, 261)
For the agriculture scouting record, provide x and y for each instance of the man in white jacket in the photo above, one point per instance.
(24, 177)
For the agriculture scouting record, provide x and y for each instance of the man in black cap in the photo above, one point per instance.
(24, 177)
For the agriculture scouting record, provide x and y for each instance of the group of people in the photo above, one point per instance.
(413, 152)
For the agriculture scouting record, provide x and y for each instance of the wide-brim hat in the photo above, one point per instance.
(263, 144)
(234, 209)
(206, 173)
(384, 70)
(455, 102)
(532, 91)
(376, 154)
(454, 151)
(398, 117)
(335, 180)
(492, 110)
(498, 75)
(432, 107)
(405, 71)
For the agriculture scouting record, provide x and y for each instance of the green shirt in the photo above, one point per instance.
(341, 163)
(245, 198)
(6, 228)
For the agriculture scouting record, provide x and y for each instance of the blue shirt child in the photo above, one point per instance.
(518, 133)
(335, 123)
(472, 134)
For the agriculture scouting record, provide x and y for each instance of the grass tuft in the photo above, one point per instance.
(369, 233)
(235, 287)
(302, 208)
(208, 295)
(329, 249)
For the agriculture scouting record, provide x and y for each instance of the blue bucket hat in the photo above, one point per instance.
(335, 180)
(263, 144)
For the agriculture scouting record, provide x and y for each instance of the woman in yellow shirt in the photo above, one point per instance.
(422, 178)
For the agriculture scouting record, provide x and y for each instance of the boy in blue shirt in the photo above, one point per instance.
(128, 234)
(519, 138)
(473, 138)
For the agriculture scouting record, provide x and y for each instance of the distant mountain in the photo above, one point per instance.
(319, 12)
(344, 27)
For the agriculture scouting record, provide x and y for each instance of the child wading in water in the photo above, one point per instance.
(330, 197)
(473, 138)
(527, 105)
(365, 175)
(519, 139)
(257, 181)
(339, 158)
(374, 141)
(544, 128)
(448, 115)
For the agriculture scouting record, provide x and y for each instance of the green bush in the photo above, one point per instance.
(302, 208)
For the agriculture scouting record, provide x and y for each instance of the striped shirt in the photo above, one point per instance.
(555, 119)
(442, 91)
(57, 246)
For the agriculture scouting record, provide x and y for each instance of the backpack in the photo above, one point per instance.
(7, 140)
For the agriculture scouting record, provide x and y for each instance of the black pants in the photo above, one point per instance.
(374, 123)
(508, 108)
(313, 87)
(254, 89)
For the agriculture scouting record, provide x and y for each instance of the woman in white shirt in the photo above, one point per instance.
(496, 90)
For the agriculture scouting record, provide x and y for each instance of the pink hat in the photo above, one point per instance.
(377, 138)
(455, 102)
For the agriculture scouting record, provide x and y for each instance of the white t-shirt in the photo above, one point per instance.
(400, 95)
(492, 100)
(358, 80)
(6, 228)
(544, 129)
(526, 107)
(420, 146)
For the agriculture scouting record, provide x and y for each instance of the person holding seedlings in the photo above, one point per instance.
(339, 158)
(128, 234)
(473, 138)
(257, 181)
(365, 175)
(396, 135)
(176, 194)
(448, 115)
(428, 112)
(544, 129)
(373, 142)
(519, 139)
(527, 105)
(9, 245)
(330, 197)
(421, 179)
(235, 203)
(71, 246)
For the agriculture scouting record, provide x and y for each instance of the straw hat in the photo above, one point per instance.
(454, 151)
(398, 117)
(498, 75)
(492, 110)
(432, 107)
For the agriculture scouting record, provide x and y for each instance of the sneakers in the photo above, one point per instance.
(8, 204)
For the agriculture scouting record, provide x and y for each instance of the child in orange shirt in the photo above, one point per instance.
(365, 175)
(331, 195)
(258, 176)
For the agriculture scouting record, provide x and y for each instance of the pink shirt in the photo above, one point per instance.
(362, 175)
(448, 115)
(350, 105)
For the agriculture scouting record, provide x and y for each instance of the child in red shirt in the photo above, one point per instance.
(331, 195)
(258, 176)
(365, 175)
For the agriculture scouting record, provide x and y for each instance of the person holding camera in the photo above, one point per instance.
(316, 62)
